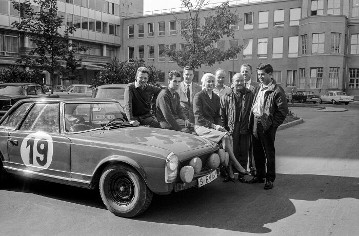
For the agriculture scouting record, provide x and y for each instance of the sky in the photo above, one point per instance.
(151, 5)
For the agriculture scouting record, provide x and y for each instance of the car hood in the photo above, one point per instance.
(144, 138)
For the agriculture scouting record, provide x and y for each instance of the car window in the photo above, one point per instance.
(42, 117)
(14, 119)
(340, 93)
(114, 93)
(11, 90)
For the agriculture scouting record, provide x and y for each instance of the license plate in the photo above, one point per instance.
(207, 178)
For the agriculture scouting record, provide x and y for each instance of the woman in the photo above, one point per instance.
(206, 109)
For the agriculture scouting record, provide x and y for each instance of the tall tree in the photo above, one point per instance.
(200, 46)
(43, 27)
(123, 72)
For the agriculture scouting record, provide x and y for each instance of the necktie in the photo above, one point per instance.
(188, 94)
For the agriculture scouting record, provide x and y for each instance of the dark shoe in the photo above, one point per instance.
(228, 179)
(242, 179)
(268, 185)
(255, 180)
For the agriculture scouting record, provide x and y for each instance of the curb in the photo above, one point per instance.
(290, 124)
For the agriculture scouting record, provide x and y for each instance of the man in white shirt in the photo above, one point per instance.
(220, 88)
(268, 112)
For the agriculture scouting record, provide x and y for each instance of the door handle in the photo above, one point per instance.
(13, 142)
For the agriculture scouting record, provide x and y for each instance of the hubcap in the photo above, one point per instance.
(121, 189)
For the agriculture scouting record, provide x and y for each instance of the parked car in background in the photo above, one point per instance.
(289, 91)
(113, 91)
(336, 96)
(76, 90)
(311, 97)
(299, 97)
(87, 143)
(10, 93)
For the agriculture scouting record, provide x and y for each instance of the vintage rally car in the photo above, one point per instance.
(10, 93)
(87, 143)
(336, 97)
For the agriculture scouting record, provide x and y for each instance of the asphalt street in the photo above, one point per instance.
(316, 193)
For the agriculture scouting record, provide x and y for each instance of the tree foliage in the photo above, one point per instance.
(200, 40)
(16, 74)
(53, 52)
(123, 72)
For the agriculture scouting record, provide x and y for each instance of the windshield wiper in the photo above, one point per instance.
(117, 122)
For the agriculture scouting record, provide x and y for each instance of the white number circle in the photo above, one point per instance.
(37, 150)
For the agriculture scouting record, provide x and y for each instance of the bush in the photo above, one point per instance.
(16, 74)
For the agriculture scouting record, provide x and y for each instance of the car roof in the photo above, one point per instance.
(113, 86)
(70, 100)
(80, 85)
(19, 84)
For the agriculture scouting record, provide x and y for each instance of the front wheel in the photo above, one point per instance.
(333, 102)
(346, 103)
(123, 191)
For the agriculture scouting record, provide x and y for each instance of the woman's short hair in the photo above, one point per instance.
(205, 76)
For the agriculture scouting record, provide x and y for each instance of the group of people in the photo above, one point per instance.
(242, 117)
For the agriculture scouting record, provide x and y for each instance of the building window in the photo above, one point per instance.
(85, 23)
(333, 77)
(318, 43)
(92, 24)
(277, 47)
(248, 49)
(294, 16)
(355, 9)
(77, 2)
(151, 29)
(277, 76)
(131, 53)
(151, 53)
(69, 20)
(293, 46)
(248, 20)
(4, 7)
(302, 78)
(111, 29)
(291, 78)
(99, 5)
(70, 1)
(9, 44)
(84, 3)
(354, 44)
(77, 21)
(333, 7)
(173, 27)
(316, 77)
(233, 43)
(141, 30)
(184, 25)
(161, 52)
(63, 16)
(173, 48)
(263, 19)
(105, 27)
(335, 43)
(117, 30)
(161, 28)
(262, 47)
(304, 43)
(111, 8)
(92, 4)
(279, 18)
(317, 7)
(110, 51)
(131, 31)
(354, 78)
(236, 26)
(141, 51)
(98, 26)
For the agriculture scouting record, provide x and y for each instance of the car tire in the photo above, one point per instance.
(3, 176)
(123, 191)
(320, 101)
(302, 101)
(333, 102)
(346, 103)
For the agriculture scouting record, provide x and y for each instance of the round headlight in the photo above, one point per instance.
(186, 174)
(172, 161)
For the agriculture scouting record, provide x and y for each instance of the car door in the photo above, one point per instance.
(37, 144)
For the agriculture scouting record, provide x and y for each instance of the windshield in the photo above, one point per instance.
(86, 116)
(11, 90)
(114, 93)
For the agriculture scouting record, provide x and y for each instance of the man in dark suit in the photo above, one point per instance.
(187, 89)
(246, 71)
